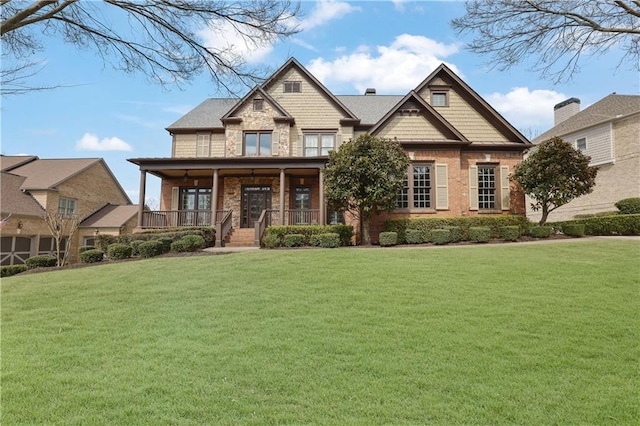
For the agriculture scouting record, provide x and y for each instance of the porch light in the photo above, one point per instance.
(185, 177)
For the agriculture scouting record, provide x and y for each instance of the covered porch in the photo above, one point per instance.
(234, 193)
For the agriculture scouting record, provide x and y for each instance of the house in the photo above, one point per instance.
(243, 164)
(85, 187)
(609, 132)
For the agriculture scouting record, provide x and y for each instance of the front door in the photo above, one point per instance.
(255, 199)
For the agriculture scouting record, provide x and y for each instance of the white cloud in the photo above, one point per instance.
(326, 11)
(527, 109)
(90, 142)
(396, 68)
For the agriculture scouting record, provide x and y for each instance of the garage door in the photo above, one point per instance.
(14, 250)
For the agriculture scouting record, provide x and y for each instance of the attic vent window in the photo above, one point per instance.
(258, 104)
(439, 99)
(292, 87)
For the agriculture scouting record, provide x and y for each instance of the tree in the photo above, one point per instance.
(161, 39)
(555, 33)
(62, 228)
(364, 177)
(554, 174)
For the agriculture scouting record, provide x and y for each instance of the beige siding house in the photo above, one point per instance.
(608, 132)
(243, 164)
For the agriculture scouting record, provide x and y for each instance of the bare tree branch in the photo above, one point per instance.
(553, 35)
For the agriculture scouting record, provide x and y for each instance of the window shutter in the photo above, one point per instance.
(239, 144)
(473, 188)
(275, 143)
(442, 188)
(300, 145)
(505, 196)
(175, 198)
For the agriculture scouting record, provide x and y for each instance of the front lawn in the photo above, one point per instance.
(499, 334)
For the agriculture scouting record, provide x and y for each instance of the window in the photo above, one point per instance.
(581, 144)
(417, 189)
(66, 206)
(439, 99)
(257, 143)
(292, 87)
(318, 144)
(202, 146)
(195, 206)
(302, 200)
(487, 193)
(258, 104)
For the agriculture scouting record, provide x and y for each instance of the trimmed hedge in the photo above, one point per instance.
(294, 240)
(573, 229)
(388, 239)
(85, 248)
(188, 243)
(510, 233)
(119, 251)
(425, 225)
(271, 241)
(413, 236)
(629, 205)
(174, 234)
(134, 247)
(345, 233)
(456, 233)
(328, 240)
(622, 224)
(440, 236)
(41, 261)
(541, 231)
(91, 256)
(150, 249)
(480, 234)
(10, 270)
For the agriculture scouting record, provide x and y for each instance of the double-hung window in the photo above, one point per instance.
(257, 143)
(319, 144)
(66, 207)
(581, 144)
(202, 146)
(417, 189)
(487, 189)
(292, 87)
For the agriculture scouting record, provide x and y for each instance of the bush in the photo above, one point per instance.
(456, 233)
(541, 231)
(188, 243)
(119, 251)
(206, 232)
(271, 241)
(440, 236)
(629, 205)
(9, 270)
(345, 232)
(135, 244)
(328, 240)
(510, 233)
(150, 249)
(620, 224)
(479, 234)
(165, 244)
(573, 229)
(41, 261)
(178, 246)
(388, 239)
(103, 241)
(294, 240)
(413, 236)
(85, 248)
(91, 256)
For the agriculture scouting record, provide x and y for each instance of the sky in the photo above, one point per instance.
(349, 46)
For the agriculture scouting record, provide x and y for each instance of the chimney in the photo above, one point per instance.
(565, 109)
(370, 91)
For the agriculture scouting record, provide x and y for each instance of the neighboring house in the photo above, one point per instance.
(608, 132)
(261, 158)
(84, 187)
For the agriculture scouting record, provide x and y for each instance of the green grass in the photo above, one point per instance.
(500, 334)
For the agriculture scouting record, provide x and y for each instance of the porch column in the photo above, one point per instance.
(281, 196)
(322, 206)
(214, 198)
(143, 184)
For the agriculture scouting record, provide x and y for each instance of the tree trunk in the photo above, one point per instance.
(545, 214)
(366, 237)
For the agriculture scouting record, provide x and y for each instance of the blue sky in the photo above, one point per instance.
(389, 45)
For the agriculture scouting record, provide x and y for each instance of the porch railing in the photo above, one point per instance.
(294, 217)
(223, 226)
(175, 218)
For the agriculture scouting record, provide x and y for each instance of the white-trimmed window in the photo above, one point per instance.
(318, 144)
(66, 206)
(292, 87)
(257, 143)
(203, 144)
(581, 144)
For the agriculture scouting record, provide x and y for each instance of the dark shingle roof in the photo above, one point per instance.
(206, 115)
(369, 109)
(13, 200)
(606, 109)
(9, 162)
(110, 216)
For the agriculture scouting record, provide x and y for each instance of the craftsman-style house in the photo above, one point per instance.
(261, 158)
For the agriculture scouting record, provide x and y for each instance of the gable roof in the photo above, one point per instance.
(480, 105)
(48, 173)
(258, 91)
(428, 112)
(609, 108)
(14, 200)
(207, 115)
(10, 162)
(369, 109)
(110, 216)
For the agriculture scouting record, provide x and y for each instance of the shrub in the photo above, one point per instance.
(178, 246)
(91, 256)
(165, 243)
(41, 261)
(189, 243)
(327, 240)
(119, 251)
(541, 231)
(413, 236)
(440, 236)
(271, 241)
(85, 248)
(206, 232)
(135, 244)
(150, 249)
(103, 241)
(480, 234)
(294, 240)
(619, 224)
(388, 239)
(629, 205)
(510, 233)
(456, 233)
(9, 270)
(345, 232)
(573, 229)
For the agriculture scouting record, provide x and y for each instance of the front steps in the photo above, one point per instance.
(241, 237)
